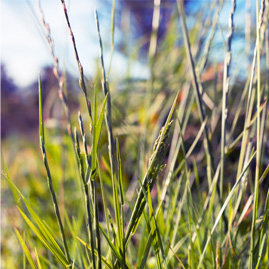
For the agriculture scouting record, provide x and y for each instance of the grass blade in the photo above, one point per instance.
(253, 252)
(154, 232)
(103, 259)
(42, 233)
(86, 196)
(49, 179)
(26, 250)
(263, 235)
(37, 260)
(44, 238)
(122, 236)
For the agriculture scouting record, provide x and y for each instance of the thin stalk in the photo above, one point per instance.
(112, 36)
(225, 92)
(96, 214)
(82, 83)
(180, 6)
(87, 161)
(226, 84)
(59, 78)
(49, 179)
(210, 38)
(155, 27)
(104, 200)
(108, 117)
(122, 205)
(86, 197)
(207, 201)
(258, 145)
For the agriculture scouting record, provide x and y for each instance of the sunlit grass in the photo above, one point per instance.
(171, 182)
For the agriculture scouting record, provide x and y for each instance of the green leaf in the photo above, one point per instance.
(112, 246)
(37, 260)
(42, 232)
(154, 230)
(121, 222)
(97, 126)
(263, 234)
(120, 173)
(44, 239)
(26, 250)
(104, 260)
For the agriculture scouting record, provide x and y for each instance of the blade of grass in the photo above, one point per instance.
(82, 83)
(262, 234)
(37, 260)
(122, 236)
(45, 234)
(59, 78)
(179, 213)
(146, 252)
(253, 252)
(104, 199)
(87, 160)
(172, 252)
(103, 259)
(105, 86)
(157, 243)
(49, 179)
(112, 36)
(173, 207)
(225, 92)
(111, 244)
(87, 198)
(26, 250)
(44, 238)
(229, 148)
(5, 173)
(97, 125)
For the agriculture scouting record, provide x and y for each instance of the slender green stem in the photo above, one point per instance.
(105, 86)
(112, 36)
(258, 145)
(87, 198)
(49, 179)
(225, 90)
(80, 67)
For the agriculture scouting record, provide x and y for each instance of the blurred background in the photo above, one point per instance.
(25, 53)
